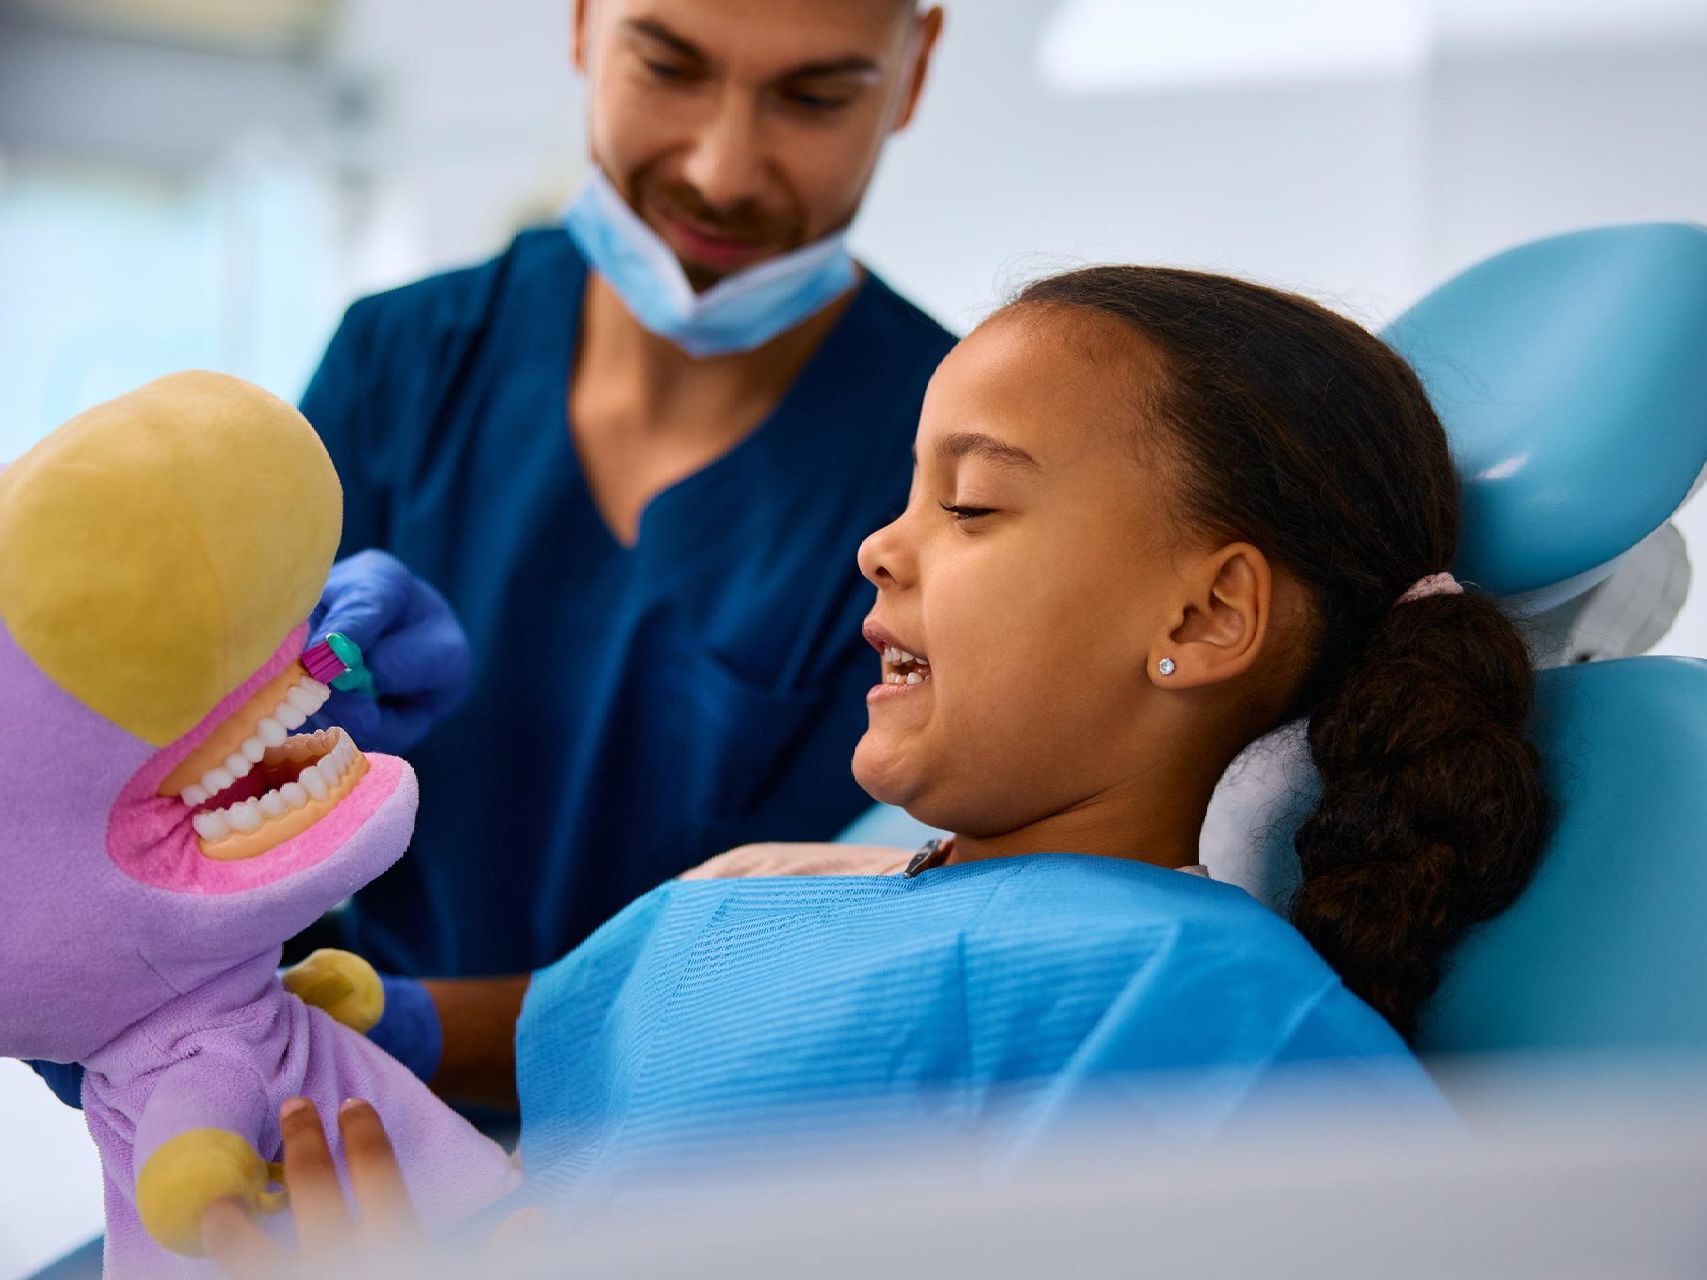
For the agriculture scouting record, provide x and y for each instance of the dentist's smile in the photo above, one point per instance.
(702, 244)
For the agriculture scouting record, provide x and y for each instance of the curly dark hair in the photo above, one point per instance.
(1302, 433)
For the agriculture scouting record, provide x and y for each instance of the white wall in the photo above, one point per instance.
(999, 179)
(470, 125)
(50, 1175)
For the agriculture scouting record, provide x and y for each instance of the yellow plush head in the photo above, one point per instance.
(140, 580)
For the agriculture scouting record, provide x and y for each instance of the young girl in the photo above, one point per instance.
(1155, 514)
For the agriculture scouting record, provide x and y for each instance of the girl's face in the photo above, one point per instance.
(1036, 575)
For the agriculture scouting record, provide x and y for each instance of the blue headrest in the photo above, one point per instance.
(1571, 375)
(1607, 948)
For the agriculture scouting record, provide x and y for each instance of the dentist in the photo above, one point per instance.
(636, 454)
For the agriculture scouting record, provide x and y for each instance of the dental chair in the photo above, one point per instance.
(1571, 375)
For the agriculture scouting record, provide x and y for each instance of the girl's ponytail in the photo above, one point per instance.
(1432, 801)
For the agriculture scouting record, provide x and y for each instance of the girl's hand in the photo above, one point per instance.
(325, 1228)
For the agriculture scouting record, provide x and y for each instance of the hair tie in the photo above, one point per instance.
(1436, 584)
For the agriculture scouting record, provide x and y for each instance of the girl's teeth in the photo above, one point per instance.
(913, 677)
(895, 657)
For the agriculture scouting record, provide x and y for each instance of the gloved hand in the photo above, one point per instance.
(411, 644)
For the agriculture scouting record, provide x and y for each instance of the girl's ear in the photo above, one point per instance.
(1218, 629)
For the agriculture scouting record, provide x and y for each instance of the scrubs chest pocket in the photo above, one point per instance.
(740, 746)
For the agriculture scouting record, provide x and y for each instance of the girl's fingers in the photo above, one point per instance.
(381, 1198)
(316, 1200)
(523, 1224)
(231, 1238)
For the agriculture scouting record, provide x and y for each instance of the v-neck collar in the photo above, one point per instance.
(803, 390)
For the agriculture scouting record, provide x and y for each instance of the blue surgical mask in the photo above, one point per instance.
(741, 312)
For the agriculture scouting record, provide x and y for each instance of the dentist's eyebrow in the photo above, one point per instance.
(664, 36)
(855, 65)
(852, 64)
(975, 444)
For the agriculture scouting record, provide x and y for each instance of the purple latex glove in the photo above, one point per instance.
(411, 643)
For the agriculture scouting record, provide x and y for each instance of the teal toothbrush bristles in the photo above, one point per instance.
(337, 661)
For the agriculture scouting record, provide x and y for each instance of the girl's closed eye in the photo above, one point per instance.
(965, 513)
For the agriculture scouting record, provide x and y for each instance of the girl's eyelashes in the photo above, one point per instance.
(965, 513)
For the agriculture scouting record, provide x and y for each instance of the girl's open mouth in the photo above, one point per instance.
(255, 782)
(901, 667)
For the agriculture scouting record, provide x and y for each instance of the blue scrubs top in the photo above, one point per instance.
(634, 710)
(990, 1000)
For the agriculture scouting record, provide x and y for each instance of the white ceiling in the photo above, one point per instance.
(1089, 46)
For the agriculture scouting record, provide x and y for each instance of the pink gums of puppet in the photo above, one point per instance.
(157, 557)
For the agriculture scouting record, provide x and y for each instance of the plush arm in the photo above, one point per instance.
(346, 987)
(341, 983)
(397, 1014)
(196, 1144)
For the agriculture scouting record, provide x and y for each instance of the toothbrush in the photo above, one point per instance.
(337, 661)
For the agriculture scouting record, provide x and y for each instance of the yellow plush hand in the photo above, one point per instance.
(341, 983)
(196, 1169)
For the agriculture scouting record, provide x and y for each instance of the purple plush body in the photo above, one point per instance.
(170, 998)
(125, 947)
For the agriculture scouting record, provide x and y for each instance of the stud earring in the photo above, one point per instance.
(1166, 666)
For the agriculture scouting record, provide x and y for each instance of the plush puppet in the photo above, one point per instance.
(164, 825)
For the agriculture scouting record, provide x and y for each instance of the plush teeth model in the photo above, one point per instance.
(275, 783)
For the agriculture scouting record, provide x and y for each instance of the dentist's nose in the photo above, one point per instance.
(726, 163)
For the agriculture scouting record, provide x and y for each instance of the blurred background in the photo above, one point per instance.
(209, 182)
